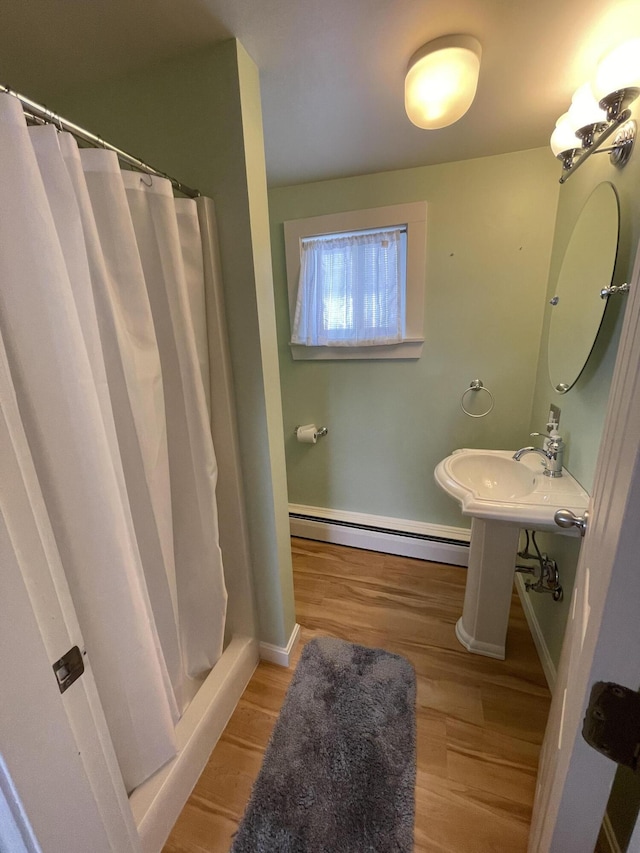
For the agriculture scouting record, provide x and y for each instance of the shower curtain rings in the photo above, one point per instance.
(474, 386)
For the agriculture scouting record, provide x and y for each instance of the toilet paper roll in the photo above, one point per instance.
(307, 434)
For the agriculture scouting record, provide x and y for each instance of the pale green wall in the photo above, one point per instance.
(583, 412)
(274, 591)
(584, 406)
(489, 231)
(198, 117)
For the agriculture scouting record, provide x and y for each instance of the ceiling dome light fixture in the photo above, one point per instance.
(441, 81)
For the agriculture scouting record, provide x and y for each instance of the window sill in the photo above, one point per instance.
(408, 349)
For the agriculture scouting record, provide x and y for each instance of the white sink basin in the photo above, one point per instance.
(491, 484)
(492, 477)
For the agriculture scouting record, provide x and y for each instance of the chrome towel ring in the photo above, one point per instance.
(475, 386)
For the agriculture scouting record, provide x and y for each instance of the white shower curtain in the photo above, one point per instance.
(135, 379)
(192, 463)
(128, 481)
(191, 245)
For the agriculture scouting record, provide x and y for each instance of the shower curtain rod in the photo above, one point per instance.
(40, 113)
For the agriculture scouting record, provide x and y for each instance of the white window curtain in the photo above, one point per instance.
(350, 290)
(97, 371)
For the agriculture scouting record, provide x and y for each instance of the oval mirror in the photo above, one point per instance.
(587, 268)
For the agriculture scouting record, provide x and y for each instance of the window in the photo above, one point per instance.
(356, 283)
(351, 289)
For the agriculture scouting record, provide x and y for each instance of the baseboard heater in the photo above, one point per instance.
(437, 544)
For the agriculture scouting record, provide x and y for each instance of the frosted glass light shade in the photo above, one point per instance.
(441, 81)
(585, 110)
(619, 70)
(563, 137)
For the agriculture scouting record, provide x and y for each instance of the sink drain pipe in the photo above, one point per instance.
(546, 575)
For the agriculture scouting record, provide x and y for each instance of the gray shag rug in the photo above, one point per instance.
(339, 771)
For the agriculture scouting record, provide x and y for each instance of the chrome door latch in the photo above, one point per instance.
(69, 668)
(612, 723)
(566, 518)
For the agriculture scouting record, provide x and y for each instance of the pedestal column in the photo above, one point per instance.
(482, 628)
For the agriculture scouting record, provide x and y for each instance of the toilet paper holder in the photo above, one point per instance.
(320, 431)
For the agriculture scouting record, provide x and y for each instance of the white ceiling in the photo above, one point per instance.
(332, 71)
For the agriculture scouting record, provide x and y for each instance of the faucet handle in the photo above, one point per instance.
(552, 439)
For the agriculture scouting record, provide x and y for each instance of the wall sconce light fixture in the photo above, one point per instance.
(599, 109)
(441, 81)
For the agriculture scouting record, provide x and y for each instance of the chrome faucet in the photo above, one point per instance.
(552, 455)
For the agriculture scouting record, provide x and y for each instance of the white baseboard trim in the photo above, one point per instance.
(432, 542)
(280, 655)
(477, 647)
(548, 665)
(607, 838)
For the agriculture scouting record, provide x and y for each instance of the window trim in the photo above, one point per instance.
(414, 216)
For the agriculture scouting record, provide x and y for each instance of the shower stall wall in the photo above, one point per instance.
(113, 385)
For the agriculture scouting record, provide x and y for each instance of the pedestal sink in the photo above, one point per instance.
(501, 496)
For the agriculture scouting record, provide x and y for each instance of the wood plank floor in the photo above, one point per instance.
(480, 722)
